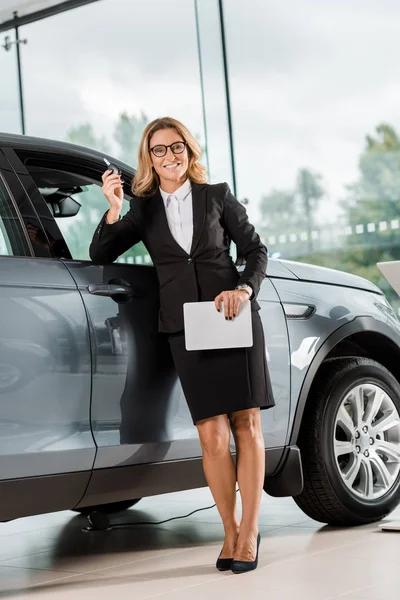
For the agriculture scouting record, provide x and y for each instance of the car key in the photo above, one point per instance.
(112, 167)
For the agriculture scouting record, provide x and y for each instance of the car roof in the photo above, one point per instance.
(24, 142)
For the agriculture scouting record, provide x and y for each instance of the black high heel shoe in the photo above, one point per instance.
(242, 566)
(224, 564)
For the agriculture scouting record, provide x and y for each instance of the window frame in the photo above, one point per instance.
(9, 184)
(91, 167)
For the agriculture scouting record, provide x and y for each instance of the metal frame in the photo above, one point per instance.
(201, 75)
(227, 94)
(9, 180)
(43, 14)
(67, 5)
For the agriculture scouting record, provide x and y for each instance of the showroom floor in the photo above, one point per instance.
(51, 557)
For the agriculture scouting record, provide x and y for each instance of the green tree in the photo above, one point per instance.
(375, 196)
(277, 212)
(373, 199)
(310, 191)
(372, 204)
(84, 135)
(128, 132)
(371, 209)
(293, 211)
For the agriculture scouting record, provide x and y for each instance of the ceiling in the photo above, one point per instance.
(32, 10)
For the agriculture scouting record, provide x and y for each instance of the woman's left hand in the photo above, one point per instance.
(232, 300)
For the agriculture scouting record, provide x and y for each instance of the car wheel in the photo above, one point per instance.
(350, 443)
(108, 508)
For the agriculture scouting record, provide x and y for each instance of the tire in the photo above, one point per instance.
(329, 494)
(107, 508)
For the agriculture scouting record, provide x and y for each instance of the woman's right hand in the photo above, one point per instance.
(113, 191)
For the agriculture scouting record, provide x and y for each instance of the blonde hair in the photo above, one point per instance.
(146, 180)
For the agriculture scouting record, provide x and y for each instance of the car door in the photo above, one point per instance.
(45, 369)
(138, 411)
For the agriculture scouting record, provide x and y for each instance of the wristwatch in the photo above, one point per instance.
(246, 288)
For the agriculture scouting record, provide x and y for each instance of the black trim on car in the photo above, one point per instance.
(34, 234)
(288, 480)
(10, 217)
(139, 481)
(359, 325)
(52, 493)
(40, 495)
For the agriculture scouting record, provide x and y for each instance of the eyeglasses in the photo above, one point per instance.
(161, 150)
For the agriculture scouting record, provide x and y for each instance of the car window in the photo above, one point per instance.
(12, 239)
(77, 203)
(78, 230)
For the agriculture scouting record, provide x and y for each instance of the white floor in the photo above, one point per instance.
(50, 557)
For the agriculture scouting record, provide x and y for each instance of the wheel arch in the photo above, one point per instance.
(365, 336)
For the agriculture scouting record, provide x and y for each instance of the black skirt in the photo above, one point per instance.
(218, 382)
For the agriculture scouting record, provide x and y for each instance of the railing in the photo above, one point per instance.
(334, 237)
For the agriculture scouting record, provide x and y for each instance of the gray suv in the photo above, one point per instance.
(92, 415)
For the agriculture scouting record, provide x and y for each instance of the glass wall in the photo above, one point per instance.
(215, 108)
(315, 106)
(316, 116)
(9, 99)
(109, 68)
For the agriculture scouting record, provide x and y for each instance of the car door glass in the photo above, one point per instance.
(12, 238)
(79, 229)
(82, 197)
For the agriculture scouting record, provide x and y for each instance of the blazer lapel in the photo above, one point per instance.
(199, 199)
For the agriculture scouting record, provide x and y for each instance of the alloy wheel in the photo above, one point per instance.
(367, 441)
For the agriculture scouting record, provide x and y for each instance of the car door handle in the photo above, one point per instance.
(109, 289)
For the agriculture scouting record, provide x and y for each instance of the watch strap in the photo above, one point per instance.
(246, 288)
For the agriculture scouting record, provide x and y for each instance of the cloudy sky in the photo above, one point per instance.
(309, 79)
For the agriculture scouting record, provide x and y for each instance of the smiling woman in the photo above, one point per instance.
(174, 155)
(186, 225)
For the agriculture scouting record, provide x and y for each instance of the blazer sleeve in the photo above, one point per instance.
(247, 240)
(110, 241)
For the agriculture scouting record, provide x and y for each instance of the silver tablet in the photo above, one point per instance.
(391, 271)
(207, 329)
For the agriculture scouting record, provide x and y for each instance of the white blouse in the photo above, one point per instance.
(179, 211)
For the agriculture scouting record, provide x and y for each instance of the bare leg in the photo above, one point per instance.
(246, 427)
(220, 473)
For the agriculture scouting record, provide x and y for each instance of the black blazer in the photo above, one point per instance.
(208, 270)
